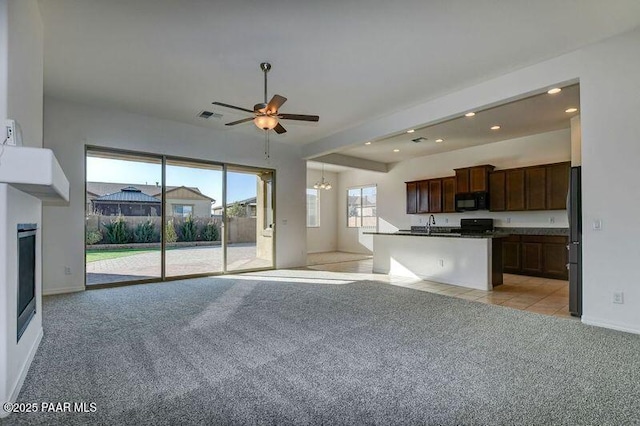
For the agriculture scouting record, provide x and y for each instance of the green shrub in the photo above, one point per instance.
(189, 229)
(117, 231)
(211, 232)
(236, 210)
(170, 232)
(145, 232)
(93, 237)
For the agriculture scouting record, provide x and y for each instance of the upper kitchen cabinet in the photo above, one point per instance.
(536, 187)
(449, 195)
(462, 180)
(473, 179)
(423, 196)
(515, 189)
(557, 185)
(412, 197)
(498, 197)
(435, 196)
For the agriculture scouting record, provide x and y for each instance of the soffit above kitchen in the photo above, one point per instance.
(348, 62)
(541, 113)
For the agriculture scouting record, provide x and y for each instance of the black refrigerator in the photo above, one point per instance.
(574, 210)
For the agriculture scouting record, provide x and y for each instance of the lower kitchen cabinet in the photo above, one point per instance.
(536, 255)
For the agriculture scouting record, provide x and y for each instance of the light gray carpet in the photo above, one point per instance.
(221, 351)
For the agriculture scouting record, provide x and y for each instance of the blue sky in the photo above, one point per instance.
(209, 182)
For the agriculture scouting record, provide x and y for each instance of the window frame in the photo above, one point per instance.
(317, 208)
(182, 206)
(361, 188)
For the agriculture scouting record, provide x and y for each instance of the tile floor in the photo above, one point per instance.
(540, 295)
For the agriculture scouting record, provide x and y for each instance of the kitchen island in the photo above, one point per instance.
(473, 261)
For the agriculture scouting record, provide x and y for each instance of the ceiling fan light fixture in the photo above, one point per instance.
(265, 122)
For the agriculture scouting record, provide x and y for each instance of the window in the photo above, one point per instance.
(313, 208)
(183, 210)
(361, 207)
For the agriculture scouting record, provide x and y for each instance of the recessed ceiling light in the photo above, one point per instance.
(410, 131)
(554, 90)
(496, 127)
(396, 150)
(571, 110)
(470, 114)
(439, 140)
(367, 143)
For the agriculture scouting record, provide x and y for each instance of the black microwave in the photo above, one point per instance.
(469, 201)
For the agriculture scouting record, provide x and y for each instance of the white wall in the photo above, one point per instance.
(25, 69)
(69, 126)
(325, 237)
(609, 85)
(4, 55)
(543, 148)
(15, 357)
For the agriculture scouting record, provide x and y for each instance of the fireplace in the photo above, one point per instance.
(26, 275)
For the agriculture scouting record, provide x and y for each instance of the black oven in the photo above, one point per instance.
(469, 201)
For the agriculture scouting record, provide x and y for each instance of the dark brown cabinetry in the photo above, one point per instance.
(473, 179)
(423, 196)
(511, 254)
(536, 255)
(462, 180)
(514, 189)
(557, 185)
(498, 199)
(449, 195)
(435, 196)
(536, 188)
(530, 188)
(412, 197)
(428, 196)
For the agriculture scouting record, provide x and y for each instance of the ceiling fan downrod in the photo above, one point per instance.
(265, 67)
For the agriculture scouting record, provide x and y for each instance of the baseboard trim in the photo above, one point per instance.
(598, 322)
(61, 290)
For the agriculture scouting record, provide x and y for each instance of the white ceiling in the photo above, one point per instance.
(317, 165)
(529, 116)
(348, 61)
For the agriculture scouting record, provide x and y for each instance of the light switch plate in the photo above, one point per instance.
(597, 225)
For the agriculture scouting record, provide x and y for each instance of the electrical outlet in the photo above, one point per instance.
(618, 297)
(552, 219)
(67, 270)
(11, 132)
(446, 220)
(441, 263)
(508, 220)
(597, 225)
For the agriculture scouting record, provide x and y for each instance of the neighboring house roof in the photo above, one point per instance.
(98, 189)
(129, 194)
(249, 201)
(363, 201)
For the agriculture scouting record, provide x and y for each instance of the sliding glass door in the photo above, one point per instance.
(249, 218)
(152, 218)
(123, 223)
(193, 237)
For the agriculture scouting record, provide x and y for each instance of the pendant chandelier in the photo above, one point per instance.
(323, 184)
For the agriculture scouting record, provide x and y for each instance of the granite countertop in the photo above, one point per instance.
(440, 234)
(534, 231)
(453, 232)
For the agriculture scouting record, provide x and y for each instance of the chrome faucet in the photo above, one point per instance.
(431, 221)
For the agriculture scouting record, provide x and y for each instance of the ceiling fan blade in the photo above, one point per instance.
(275, 103)
(232, 107)
(299, 117)
(244, 120)
(279, 129)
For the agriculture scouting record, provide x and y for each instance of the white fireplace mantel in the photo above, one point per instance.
(34, 171)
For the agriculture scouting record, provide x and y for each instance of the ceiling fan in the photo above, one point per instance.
(266, 115)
